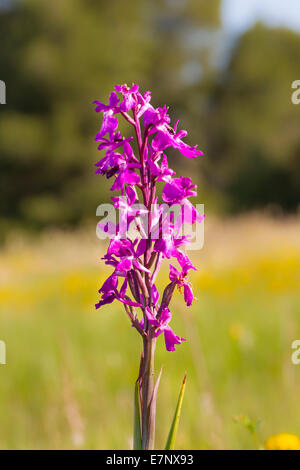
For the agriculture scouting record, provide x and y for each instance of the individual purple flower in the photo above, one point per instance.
(110, 164)
(167, 137)
(108, 227)
(181, 280)
(162, 172)
(128, 210)
(126, 175)
(129, 96)
(120, 247)
(169, 243)
(109, 124)
(128, 256)
(122, 166)
(143, 103)
(110, 293)
(162, 325)
(176, 191)
(112, 104)
(115, 141)
(156, 117)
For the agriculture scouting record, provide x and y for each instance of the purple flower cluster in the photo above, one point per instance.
(136, 260)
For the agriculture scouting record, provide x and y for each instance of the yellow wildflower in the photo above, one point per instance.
(283, 441)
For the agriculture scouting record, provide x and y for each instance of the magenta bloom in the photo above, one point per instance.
(147, 231)
(154, 236)
(162, 326)
(178, 189)
(109, 293)
(167, 137)
(180, 278)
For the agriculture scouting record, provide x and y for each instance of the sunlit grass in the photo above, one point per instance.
(68, 382)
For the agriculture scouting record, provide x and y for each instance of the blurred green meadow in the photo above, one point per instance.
(70, 372)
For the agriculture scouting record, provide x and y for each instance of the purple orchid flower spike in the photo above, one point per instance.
(147, 231)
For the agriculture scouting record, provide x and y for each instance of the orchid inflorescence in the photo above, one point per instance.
(137, 259)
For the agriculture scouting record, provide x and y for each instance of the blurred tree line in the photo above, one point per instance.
(57, 57)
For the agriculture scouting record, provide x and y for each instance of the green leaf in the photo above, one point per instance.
(137, 435)
(174, 426)
(152, 413)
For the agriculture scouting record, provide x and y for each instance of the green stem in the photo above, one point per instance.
(148, 419)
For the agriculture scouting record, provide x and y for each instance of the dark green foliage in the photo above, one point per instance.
(254, 145)
(57, 57)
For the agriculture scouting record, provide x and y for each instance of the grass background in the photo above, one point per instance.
(70, 372)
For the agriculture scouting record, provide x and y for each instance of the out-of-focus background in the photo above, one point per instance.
(226, 70)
